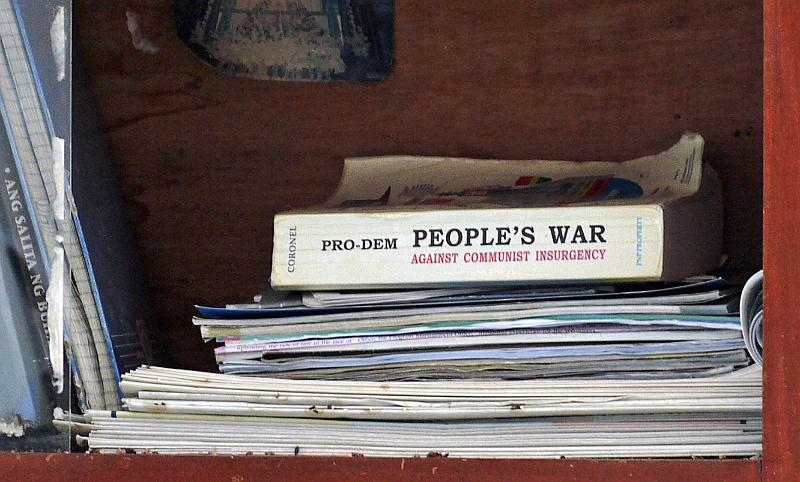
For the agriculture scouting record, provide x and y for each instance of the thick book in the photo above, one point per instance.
(431, 221)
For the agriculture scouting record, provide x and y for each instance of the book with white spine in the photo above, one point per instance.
(426, 221)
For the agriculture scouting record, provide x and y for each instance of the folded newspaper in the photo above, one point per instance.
(183, 412)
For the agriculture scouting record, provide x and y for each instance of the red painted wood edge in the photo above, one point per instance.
(782, 444)
(138, 468)
(782, 239)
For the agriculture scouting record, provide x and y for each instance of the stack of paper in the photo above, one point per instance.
(184, 412)
(647, 331)
(649, 370)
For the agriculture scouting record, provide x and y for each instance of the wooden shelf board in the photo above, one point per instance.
(138, 468)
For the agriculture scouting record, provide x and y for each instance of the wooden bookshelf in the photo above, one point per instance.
(206, 160)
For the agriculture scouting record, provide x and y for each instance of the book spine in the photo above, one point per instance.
(362, 250)
(105, 239)
(26, 249)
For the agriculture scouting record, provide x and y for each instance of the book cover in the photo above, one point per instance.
(424, 221)
(27, 398)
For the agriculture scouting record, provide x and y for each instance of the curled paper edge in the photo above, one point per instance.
(752, 326)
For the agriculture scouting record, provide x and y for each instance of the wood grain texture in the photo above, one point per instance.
(781, 240)
(206, 160)
(123, 468)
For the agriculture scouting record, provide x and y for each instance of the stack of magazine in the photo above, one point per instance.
(683, 330)
(451, 307)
